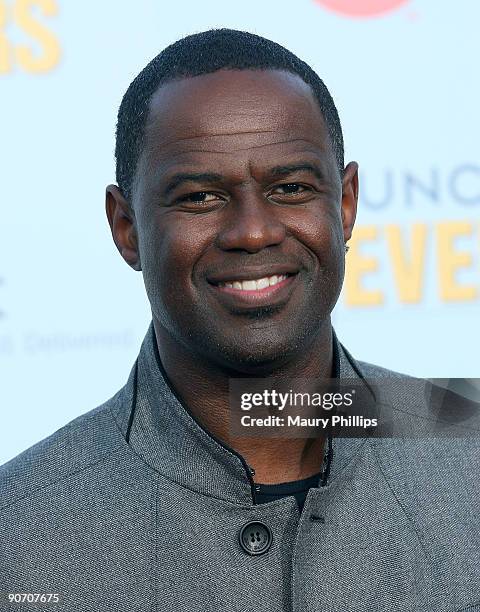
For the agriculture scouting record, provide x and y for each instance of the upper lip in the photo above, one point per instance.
(251, 273)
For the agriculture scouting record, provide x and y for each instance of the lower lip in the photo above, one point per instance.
(259, 297)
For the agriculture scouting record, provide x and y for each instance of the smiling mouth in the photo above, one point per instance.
(242, 295)
(254, 284)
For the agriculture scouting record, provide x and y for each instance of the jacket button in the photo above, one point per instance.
(255, 538)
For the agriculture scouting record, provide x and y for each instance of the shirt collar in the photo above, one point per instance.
(159, 429)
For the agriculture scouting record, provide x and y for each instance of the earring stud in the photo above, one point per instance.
(346, 248)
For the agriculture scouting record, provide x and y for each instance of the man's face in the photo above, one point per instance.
(240, 216)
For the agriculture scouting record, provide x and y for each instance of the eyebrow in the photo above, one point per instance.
(211, 177)
(291, 168)
(182, 177)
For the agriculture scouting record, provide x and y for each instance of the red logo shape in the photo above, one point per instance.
(362, 8)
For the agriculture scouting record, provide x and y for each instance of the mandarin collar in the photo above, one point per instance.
(167, 437)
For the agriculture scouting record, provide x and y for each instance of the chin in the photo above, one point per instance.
(259, 344)
(257, 356)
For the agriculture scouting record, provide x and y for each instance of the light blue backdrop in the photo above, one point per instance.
(73, 314)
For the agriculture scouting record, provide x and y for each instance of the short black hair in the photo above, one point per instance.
(204, 53)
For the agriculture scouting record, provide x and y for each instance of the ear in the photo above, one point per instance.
(349, 198)
(121, 219)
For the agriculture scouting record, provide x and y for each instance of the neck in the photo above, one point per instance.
(205, 393)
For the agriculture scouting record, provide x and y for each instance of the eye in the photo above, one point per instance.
(199, 197)
(291, 189)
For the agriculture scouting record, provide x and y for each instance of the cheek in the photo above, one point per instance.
(169, 251)
(321, 232)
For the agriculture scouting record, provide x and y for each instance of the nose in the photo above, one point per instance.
(251, 224)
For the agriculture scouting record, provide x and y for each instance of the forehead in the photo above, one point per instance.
(234, 113)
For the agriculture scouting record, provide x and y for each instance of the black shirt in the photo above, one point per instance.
(298, 488)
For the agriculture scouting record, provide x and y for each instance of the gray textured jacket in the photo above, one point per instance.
(152, 524)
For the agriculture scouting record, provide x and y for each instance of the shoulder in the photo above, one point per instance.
(371, 370)
(435, 422)
(445, 400)
(84, 441)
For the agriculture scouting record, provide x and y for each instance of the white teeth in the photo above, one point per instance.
(262, 283)
(254, 285)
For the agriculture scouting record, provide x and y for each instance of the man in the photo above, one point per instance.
(234, 202)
